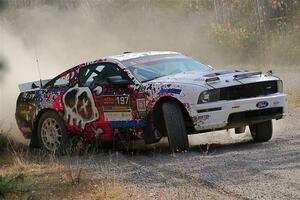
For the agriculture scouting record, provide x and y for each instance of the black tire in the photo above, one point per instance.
(262, 132)
(58, 123)
(175, 127)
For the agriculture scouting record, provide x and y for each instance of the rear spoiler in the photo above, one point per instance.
(24, 87)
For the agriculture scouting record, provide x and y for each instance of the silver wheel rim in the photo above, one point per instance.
(51, 134)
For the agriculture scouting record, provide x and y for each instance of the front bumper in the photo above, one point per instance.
(235, 113)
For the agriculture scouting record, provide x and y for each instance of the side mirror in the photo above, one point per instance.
(117, 80)
(270, 72)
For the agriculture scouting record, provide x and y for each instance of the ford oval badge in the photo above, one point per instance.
(262, 104)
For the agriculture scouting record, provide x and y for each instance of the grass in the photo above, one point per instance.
(57, 180)
(13, 184)
(38, 175)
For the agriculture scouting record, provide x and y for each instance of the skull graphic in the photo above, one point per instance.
(79, 106)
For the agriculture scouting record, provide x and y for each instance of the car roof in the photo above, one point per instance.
(134, 55)
(126, 57)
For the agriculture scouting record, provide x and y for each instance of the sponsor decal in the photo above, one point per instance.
(108, 100)
(262, 104)
(80, 107)
(141, 105)
(173, 91)
(116, 103)
(117, 116)
(121, 124)
(201, 118)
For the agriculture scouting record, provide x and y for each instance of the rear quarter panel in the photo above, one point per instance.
(31, 103)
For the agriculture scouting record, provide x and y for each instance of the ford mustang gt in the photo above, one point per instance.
(147, 96)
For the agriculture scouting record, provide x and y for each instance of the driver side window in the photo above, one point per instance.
(92, 74)
(95, 75)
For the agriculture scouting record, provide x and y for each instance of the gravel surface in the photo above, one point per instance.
(233, 167)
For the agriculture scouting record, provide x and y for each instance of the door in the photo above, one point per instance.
(115, 103)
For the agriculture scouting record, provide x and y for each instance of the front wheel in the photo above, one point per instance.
(51, 132)
(175, 127)
(262, 132)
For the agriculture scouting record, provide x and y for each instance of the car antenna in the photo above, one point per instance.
(38, 67)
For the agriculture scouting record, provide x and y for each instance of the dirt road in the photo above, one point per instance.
(234, 169)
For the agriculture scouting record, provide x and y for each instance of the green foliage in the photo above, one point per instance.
(2, 67)
(240, 30)
(238, 44)
(266, 30)
(3, 70)
(205, 4)
(285, 47)
(13, 184)
(3, 4)
(3, 141)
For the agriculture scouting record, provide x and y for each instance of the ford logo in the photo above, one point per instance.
(262, 104)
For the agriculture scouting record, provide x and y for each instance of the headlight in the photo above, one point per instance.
(209, 96)
(280, 86)
(204, 97)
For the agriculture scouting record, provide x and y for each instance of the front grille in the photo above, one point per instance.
(248, 90)
(255, 115)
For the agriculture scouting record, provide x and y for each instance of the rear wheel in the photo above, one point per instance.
(51, 132)
(175, 127)
(262, 132)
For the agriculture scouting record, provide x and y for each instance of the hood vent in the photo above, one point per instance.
(219, 73)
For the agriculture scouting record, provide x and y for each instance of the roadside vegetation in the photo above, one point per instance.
(247, 32)
(13, 184)
(38, 175)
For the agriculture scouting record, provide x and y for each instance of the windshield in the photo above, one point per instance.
(155, 69)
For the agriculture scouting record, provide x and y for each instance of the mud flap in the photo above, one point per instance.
(151, 134)
(34, 142)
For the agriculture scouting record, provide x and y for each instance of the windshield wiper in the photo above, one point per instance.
(152, 78)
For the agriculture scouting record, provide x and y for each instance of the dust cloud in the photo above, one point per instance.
(62, 36)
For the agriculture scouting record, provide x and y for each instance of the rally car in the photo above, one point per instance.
(147, 96)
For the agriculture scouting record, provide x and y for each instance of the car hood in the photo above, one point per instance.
(222, 78)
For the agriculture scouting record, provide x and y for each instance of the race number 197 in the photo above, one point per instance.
(122, 100)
